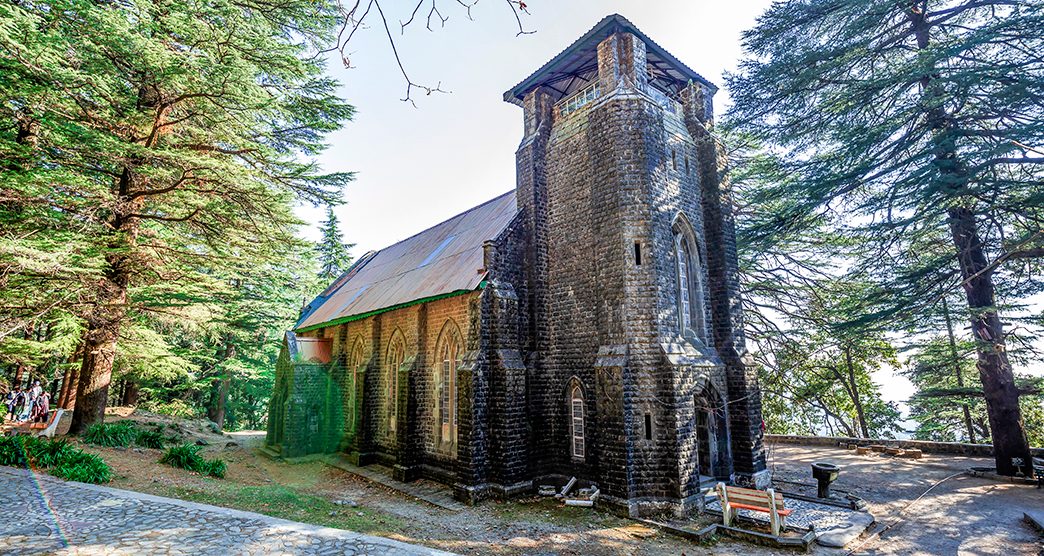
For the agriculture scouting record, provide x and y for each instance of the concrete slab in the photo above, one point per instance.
(845, 530)
(1035, 518)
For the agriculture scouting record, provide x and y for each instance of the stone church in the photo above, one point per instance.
(586, 324)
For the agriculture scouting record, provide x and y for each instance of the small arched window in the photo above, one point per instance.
(576, 409)
(396, 355)
(690, 289)
(447, 362)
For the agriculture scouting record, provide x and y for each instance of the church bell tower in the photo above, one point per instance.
(636, 369)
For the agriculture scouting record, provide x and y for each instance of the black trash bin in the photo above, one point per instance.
(824, 473)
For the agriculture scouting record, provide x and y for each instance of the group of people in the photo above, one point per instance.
(28, 404)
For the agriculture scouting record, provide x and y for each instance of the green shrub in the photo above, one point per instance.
(214, 468)
(113, 435)
(150, 439)
(54, 453)
(83, 467)
(186, 456)
(15, 450)
(57, 456)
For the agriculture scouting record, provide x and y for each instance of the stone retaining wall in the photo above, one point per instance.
(928, 447)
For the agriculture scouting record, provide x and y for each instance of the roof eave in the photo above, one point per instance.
(618, 23)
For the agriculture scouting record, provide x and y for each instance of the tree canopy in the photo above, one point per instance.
(154, 152)
(914, 129)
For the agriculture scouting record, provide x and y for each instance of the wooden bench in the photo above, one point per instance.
(734, 499)
(52, 423)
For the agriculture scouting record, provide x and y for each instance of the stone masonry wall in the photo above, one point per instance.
(410, 448)
(618, 172)
(748, 452)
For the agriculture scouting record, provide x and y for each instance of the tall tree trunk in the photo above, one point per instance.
(19, 374)
(131, 394)
(955, 358)
(219, 387)
(106, 317)
(67, 399)
(218, 399)
(1010, 446)
(854, 391)
(99, 352)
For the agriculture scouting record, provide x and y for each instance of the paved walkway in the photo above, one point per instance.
(44, 515)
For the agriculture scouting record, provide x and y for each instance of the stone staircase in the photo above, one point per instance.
(271, 452)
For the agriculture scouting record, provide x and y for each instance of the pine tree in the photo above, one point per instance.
(907, 123)
(334, 256)
(166, 139)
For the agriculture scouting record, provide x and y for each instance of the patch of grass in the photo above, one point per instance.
(54, 453)
(112, 435)
(122, 435)
(186, 456)
(57, 456)
(289, 503)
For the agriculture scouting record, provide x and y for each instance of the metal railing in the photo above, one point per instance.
(578, 99)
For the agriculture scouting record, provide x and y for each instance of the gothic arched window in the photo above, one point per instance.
(447, 361)
(690, 288)
(576, 411)
(355, 367)
(396, 355)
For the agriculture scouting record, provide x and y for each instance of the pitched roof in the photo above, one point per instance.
(444, 259)
(579, 59)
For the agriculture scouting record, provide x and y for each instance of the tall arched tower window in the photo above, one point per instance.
(690, 287)
(447, 361)
(576, 409)
(396, 355)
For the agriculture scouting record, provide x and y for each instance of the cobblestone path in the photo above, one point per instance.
(43, 515)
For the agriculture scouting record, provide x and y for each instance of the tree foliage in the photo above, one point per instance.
(913, 128)
(154, 150)
(817, 376)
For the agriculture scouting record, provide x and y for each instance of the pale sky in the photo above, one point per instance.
(419, 166)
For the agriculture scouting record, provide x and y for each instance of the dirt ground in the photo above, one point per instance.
(962, 515)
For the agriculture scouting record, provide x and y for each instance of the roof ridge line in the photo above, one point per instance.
(433, 226)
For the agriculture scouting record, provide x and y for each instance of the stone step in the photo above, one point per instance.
(435, 495)
(270, 451)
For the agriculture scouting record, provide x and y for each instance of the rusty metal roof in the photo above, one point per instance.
(443, 259)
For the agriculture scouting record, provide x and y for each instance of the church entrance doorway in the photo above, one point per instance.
(711, 435)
